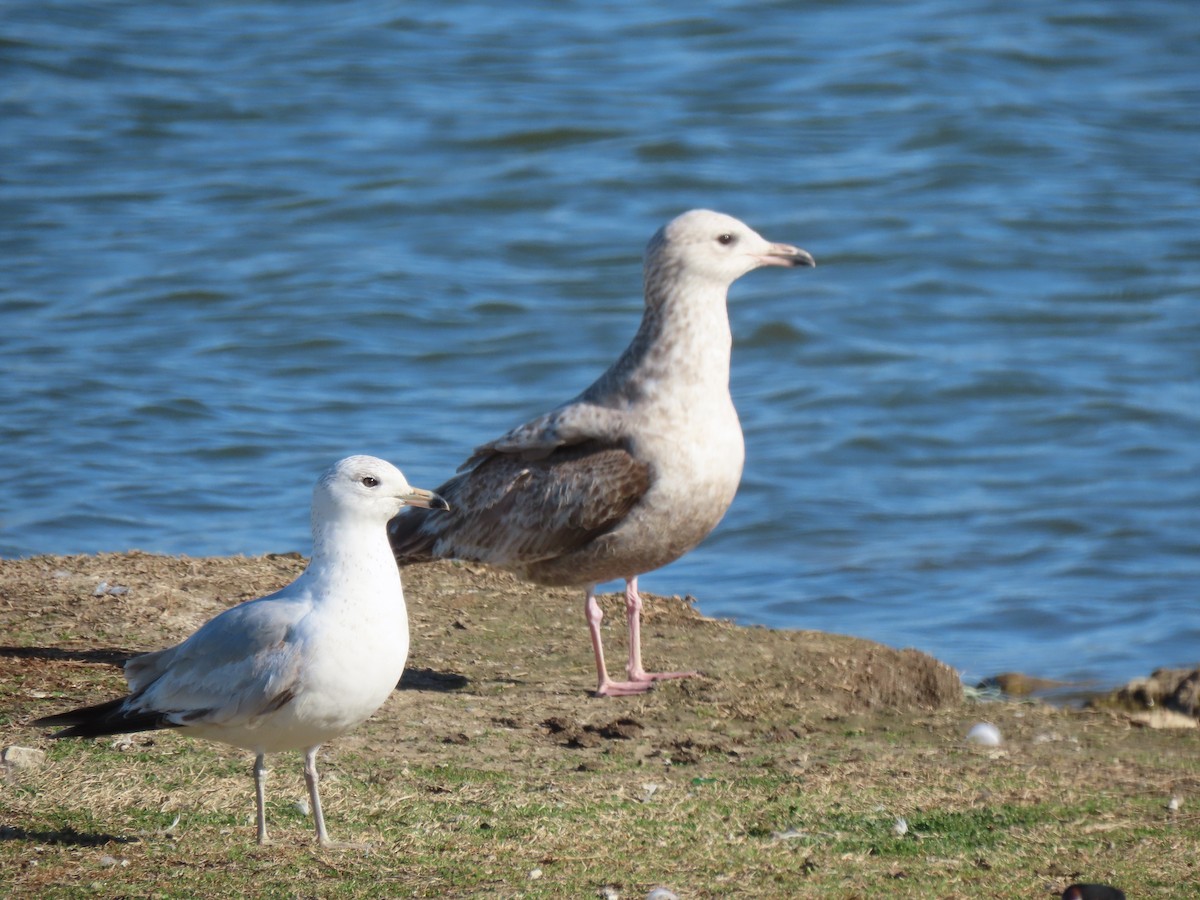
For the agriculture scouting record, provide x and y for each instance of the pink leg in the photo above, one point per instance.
(640, 681)
(633, 616)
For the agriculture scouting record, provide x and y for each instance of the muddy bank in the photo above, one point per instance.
(483, 633)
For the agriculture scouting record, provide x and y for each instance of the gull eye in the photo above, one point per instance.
(726, 238)
(370, 481)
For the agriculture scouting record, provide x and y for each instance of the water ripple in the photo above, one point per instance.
(241, 240)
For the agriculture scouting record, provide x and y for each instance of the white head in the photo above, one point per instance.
(713, 247)
(369, 489)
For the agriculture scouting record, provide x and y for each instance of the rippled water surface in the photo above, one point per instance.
(239, 241)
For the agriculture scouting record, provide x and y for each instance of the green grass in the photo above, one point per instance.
(457, 831)
(742, 825)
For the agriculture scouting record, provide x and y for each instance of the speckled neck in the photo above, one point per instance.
(684, 338)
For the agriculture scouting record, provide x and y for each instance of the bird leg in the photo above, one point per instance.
(640, 680)
(633, 617)
(260, 795)
(312, 779)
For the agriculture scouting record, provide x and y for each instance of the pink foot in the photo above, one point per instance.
(659, 676)
(623, 688)
(639, 683)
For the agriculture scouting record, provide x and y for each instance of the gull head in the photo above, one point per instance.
(707, 245)
(367, 488)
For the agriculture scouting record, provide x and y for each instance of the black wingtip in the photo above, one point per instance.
(104, 719)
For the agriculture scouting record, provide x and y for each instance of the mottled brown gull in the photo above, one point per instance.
(293, 669)
(636, 470)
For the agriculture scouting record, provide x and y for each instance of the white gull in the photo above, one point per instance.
(294, 669)
(636, 470)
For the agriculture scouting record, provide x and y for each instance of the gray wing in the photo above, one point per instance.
(540, 491)
(239, 665)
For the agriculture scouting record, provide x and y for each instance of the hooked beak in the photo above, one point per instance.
(786, 255)
(424, 499)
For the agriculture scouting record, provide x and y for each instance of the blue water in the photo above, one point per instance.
(239, 241)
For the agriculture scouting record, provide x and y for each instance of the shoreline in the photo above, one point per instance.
(1013, 684)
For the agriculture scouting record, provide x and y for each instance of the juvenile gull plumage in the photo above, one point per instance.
(636, 470)
(293, 669)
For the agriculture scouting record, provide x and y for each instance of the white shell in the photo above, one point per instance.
(985, 734)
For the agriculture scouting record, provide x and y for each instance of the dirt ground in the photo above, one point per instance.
(499, 680)
(477, 632)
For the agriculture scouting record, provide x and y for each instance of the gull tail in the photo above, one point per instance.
(113, 717)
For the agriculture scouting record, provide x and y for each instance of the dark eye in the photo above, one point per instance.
(370, 481)
(726, 238)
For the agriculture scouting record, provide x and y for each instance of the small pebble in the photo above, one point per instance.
(535, 874)
(1174, 803)
(985, 734)
(662, 893)
(16, 757)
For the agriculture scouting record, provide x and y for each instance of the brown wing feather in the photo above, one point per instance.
(509, 512)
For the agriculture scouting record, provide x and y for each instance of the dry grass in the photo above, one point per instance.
(493, 773)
